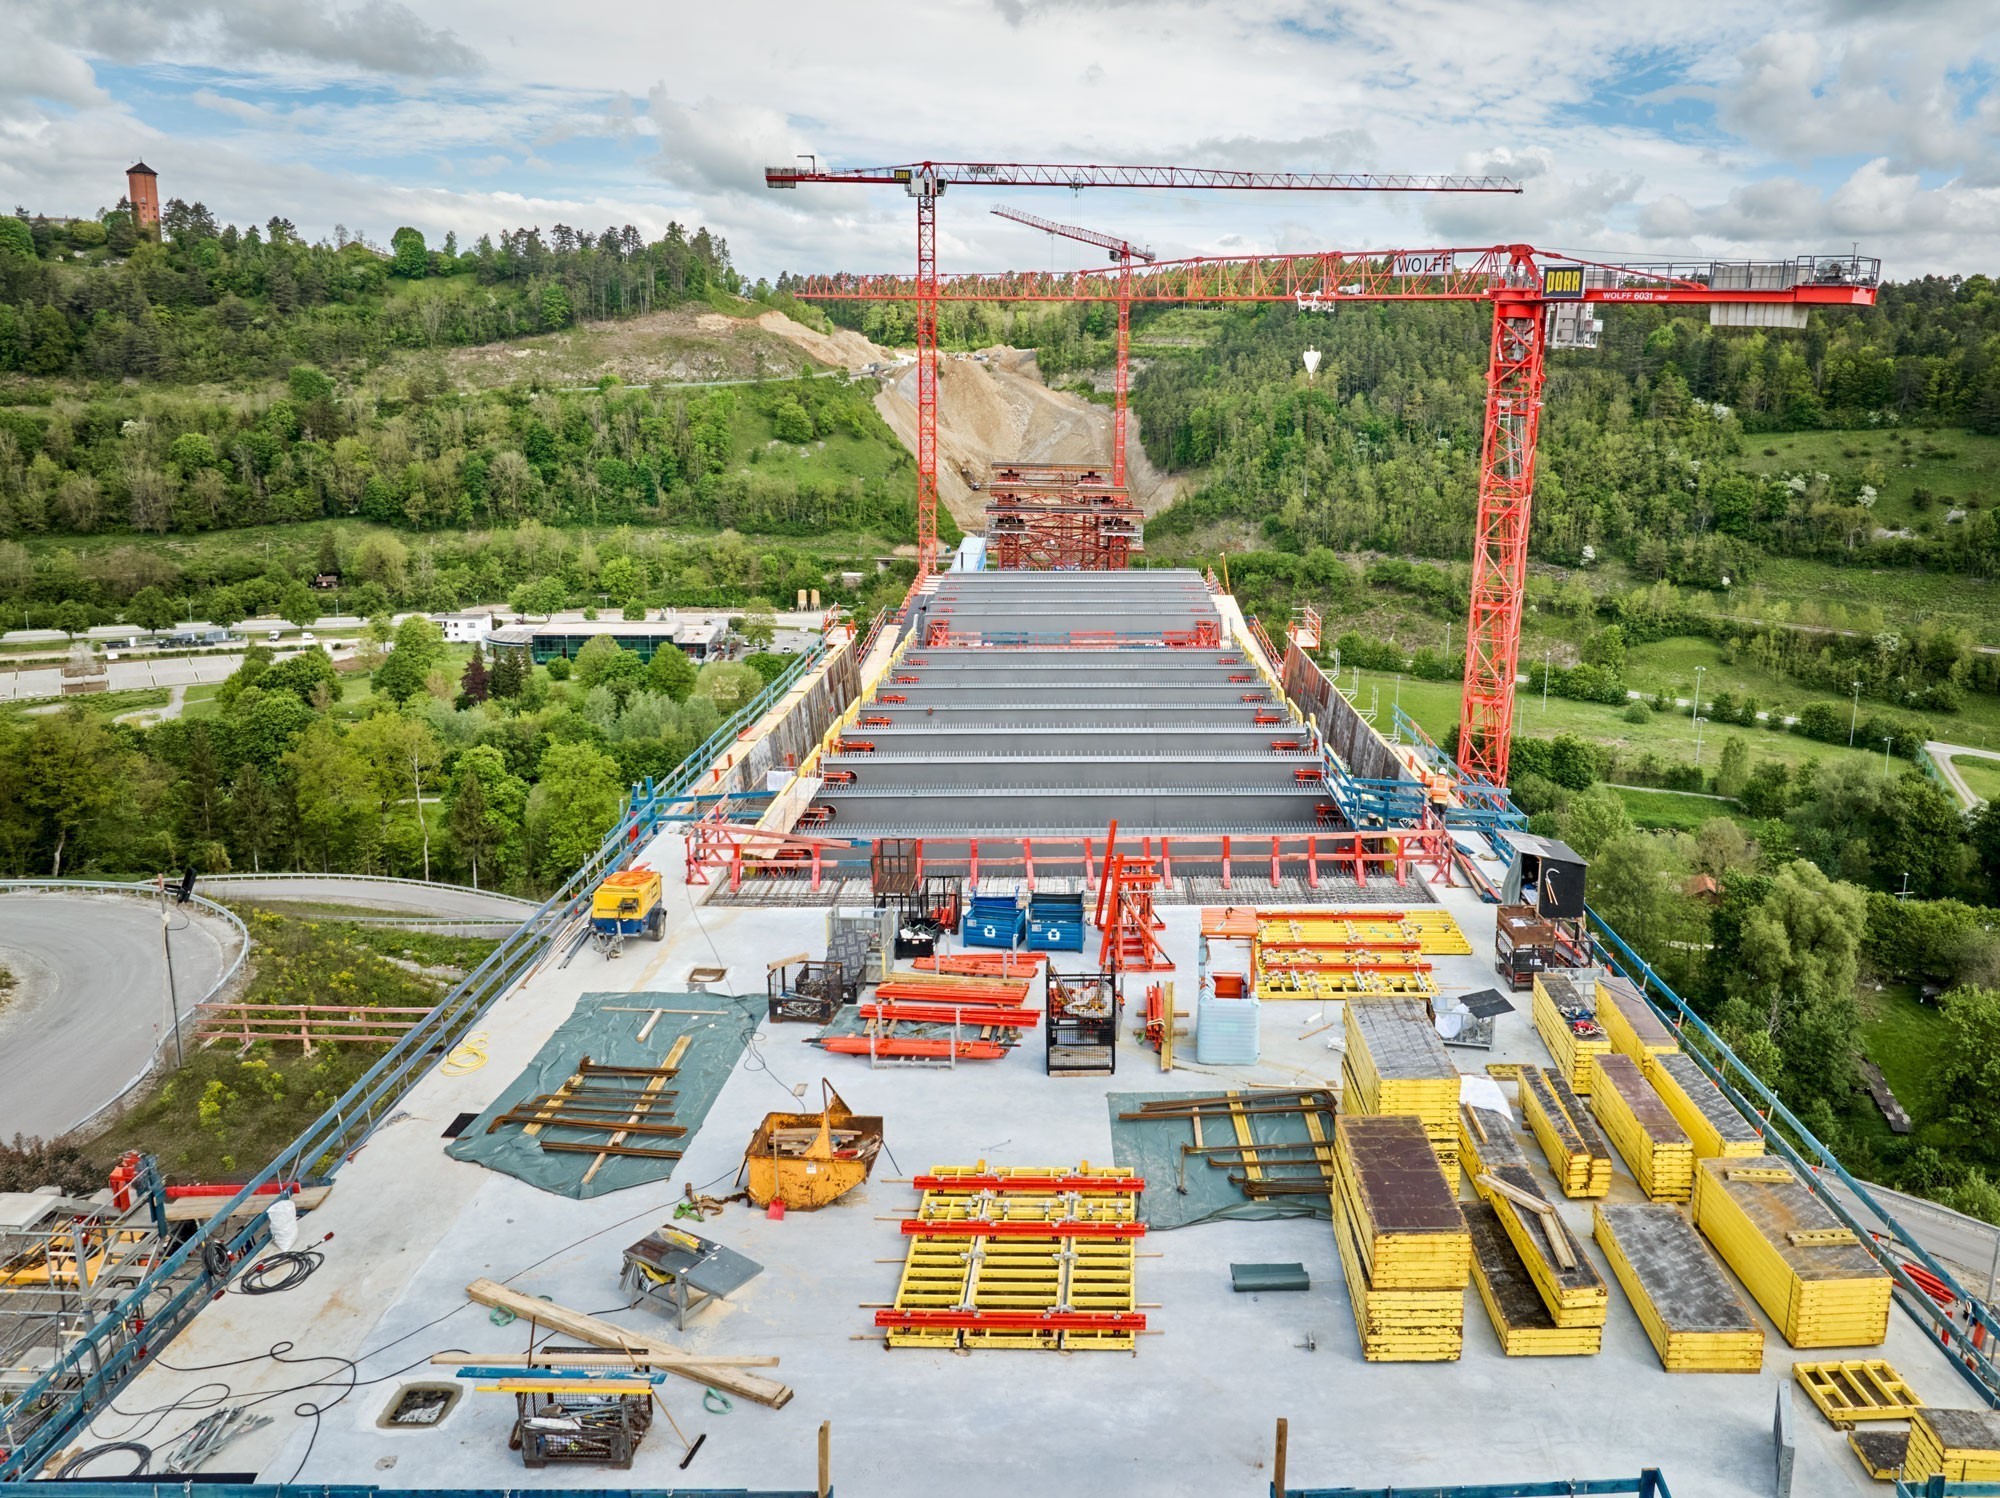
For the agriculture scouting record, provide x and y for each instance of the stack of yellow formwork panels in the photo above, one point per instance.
(1629, 1022)
(1808, 1271)
(1692, 1314)
(1513, 1304)
(1565, 1013)
(1395, 1063)
(1574, 1295)
(1402, 1239)
(1958, 1445)
(1713, 1125)
(1569, 1137)
(1642, 1128)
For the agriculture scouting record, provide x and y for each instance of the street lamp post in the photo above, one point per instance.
(1854, 717)
(1311, 359)
(1546, 654)
(1697, 741)
(1695, 711)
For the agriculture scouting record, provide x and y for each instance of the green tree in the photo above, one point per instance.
(309, 676)
(1638, 884)
(760, 627)
(404, 754)
(728, 684)
(483, 810)
(71, 617)
(555, 306)
(15, 238)
(419, 647)
(411, 259)
(543, 596)
(1732, 770)
(68, 777)
(671, 672)
(573, 805)
(1967, 1075)
(1593, 819)
(150, 609)
(253, 814)
(790, 422)
(619, 578)
(299, 606)
(1605, 648)
(332, 794)
(1794, 978)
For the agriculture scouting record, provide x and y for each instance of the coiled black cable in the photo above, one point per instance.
(280, 1271)
(90, 1454)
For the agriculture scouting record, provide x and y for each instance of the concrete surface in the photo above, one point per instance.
(124, 675)
(1191, 1412)
(95, 1006)
(1944, 756)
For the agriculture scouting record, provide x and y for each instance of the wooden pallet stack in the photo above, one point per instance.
(1958, 1445)
(1807, 1270)
(1629, 1022)
(1565, 1014)
(1642, 1129)
(1395, 1064)
(1692, 1314)
(1569, 1136)
(1535, 1244)
(1713, 1125)
(1402, 1239)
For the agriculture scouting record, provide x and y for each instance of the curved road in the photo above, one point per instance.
(91, 1003)
(400, 896)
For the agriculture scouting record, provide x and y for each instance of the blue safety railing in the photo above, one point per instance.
(1648, 1484)
(1791, 1140)
(150, 1316)
(1939, 1487)
(180, 1488)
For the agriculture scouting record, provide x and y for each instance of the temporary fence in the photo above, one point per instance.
(90, 1372)
(1963, 1325)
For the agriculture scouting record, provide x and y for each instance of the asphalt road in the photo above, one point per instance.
(1964, 1244)
(92, 1003)
(387, 895)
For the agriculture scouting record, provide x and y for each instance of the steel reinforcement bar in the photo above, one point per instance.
(153, 1313)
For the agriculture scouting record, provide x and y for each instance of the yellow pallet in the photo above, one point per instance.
(1630, 1023)
(1408, 1229)
(1309, 986)
(1691, 1313)
(1852, 1390)
(1773, 1232)
(1514, 1305)
(1438, 934)
(1397, 1326)
(1570, 1051)
(1642, 1129)
(1711, 1121)
(1575, 1297)
(952, 1273)
(1569, 1137)
(1959, 1445)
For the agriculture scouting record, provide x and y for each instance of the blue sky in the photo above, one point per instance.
(1638, 131)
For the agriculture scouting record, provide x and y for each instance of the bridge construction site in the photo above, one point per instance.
(1157, 1075)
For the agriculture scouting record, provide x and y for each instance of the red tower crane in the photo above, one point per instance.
(1123, 253)
(924, 180)
(1536, 297)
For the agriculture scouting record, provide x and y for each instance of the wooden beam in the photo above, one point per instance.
(1278, 1458)
(825, 1458)
(627, 1361)
(202, 1208)
(584, 1328)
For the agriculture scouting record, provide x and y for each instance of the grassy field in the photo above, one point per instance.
(1435, 706)
(1957, 467)
(1673, 811)
(106, 705)
(1902, 1036)
(1820, 593)
(1981, 776)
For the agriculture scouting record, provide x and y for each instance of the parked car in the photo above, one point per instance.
(274, 634)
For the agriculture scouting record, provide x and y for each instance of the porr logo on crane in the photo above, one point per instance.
(1562, 282)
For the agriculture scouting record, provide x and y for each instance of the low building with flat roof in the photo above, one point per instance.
(561, 639)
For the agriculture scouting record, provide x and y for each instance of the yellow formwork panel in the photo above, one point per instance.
(1958, 1445)
(1691, 1313)
(1309, 985)
(1849, 1391)
(1435, 931)
(1812, 1277)
(1520, 1318)
(1714, 1127)
(1642, 1129)
(1574, 1298)
(1572, 1038)
(1019, 1274)
(1576, 1151)
(1629, 1021)
(1394, 1063)
(1409, 1231)
(1397, 1326)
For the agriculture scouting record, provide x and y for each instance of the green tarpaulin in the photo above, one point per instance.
(1153, 1150)
(612, 1038)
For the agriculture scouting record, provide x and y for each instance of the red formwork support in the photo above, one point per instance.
(1514, 376)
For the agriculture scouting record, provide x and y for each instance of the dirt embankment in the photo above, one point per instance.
(993, 407)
